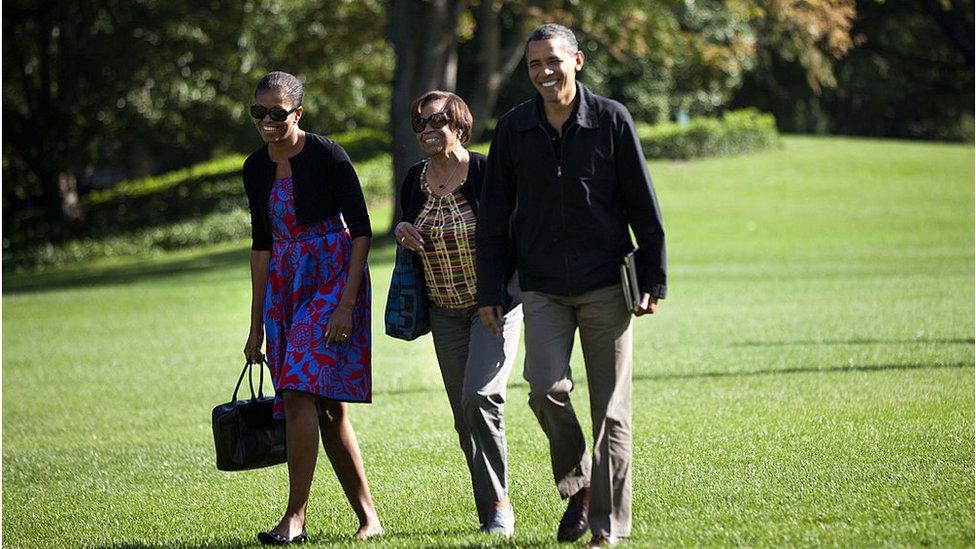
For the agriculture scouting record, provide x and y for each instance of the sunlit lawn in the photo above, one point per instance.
(808, 381)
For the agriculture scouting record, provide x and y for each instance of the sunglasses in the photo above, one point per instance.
(278, 114)
(437, 121)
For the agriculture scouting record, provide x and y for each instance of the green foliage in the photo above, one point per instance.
(808, 382)
(202, 204)
(129, 209)
(664, 57)
(127, 190)
(364, 143)
(905, 51)
(146, 86)
(205, 203)
(209, 229)
(736, 132)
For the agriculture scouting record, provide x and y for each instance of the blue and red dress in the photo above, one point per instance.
(306, 278)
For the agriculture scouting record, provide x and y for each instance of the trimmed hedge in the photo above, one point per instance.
(736, 132)
(205, 204)
(364, 144)
(202, 204)
(210, 229)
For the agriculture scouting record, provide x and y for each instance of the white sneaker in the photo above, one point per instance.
(501, 522)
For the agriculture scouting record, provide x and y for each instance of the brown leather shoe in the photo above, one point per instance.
(575, 522)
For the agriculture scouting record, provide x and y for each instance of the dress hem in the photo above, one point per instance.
(349, 400)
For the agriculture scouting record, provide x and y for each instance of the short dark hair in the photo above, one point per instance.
(458, 110)
(552, 30)
(288, 84)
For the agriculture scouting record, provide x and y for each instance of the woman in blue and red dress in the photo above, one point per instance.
(310, 297)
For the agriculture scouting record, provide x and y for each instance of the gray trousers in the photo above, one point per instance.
(475, 366)
(604, 324)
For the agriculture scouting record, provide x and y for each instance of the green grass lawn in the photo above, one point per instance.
(809, 380)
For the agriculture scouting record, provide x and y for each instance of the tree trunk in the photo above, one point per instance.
(68, 197)
(141, 161)
(59, 195)
(424, 37)
(499, 40)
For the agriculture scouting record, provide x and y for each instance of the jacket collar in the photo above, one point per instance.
(584, 114)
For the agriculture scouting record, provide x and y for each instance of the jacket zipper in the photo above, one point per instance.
(559, 174)
(562, 188)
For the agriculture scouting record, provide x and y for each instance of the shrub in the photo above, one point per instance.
(364, 144)
(204, 204)
(213, 186)
(736, 132)
(210, 229)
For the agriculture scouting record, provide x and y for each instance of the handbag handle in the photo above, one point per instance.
(250, 380)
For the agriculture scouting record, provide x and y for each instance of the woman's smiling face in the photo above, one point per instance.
(273, 131)
(436, 140)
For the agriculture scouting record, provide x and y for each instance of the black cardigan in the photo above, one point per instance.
(412, 200)
(325, 184)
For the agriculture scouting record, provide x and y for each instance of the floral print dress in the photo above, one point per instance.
(306, 278)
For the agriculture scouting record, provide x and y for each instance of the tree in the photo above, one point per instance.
(49, 100)
(491, 47)
(155, 85)
(81, 71)
(658, 56)
(424, 35)
(908, 74)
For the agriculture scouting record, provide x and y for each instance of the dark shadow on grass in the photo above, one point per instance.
(802, 342)
(220, 544)
(739, 373)
(823, 370)
(475, 539)
(420, 539)
(142, 270)
(425, 390)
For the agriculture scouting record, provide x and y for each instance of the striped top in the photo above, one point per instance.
(447, 225)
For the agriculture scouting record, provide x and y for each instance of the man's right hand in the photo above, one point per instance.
(490, 317)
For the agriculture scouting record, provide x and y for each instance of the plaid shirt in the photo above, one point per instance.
(447, 224)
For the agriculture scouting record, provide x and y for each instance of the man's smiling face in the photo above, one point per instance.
(552, 68)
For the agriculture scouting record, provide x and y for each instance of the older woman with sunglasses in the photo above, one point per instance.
(439, 200)
(310, 292)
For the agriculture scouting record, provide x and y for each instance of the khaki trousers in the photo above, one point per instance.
(604, 324)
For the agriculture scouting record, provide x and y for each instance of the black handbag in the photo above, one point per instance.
(407, 314)
(246, 436)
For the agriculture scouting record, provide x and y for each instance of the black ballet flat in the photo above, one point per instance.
(271, 538)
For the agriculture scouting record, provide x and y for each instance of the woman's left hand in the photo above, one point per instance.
(340, 325)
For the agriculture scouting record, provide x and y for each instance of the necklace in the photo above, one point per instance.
(450, 177)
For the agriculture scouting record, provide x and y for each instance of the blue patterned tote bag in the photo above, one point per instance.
(407, 316)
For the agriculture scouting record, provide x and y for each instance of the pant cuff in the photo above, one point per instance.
(569, 486)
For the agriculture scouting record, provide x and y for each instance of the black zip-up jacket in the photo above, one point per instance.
(570, 213)
(412, 200)
(324, 181)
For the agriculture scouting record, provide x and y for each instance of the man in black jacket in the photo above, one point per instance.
(566, 184)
